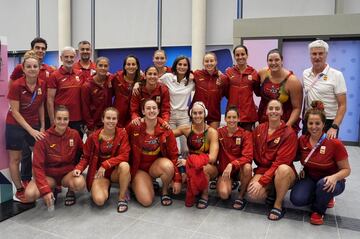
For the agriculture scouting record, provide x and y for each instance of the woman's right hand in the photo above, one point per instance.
(136, 88)
(37, 135)
(136, 121)
(76, 173)
(49, 199)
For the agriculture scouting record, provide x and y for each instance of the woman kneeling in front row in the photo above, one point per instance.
(326, 166)
(54, 158)
(106, 152)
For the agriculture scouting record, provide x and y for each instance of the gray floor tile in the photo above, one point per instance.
(198, 235)
(147, 230)
(287, 228)
(177, 215)
(349, 234)
(226, 223)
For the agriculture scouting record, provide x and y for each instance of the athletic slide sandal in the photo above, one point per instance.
(239, 204)
(70, 198)
(122, 206)
(276, 212)
(166, 200)
(202, 203)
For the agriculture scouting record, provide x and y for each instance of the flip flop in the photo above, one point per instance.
(70, 198)
(277, 212)
(122, 204)
(203, 202)
(166, 198)
(239, 204)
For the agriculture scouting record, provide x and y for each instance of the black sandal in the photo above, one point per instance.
(203, 202)
(166, 200)
(122, 204)
(279, 213)
(239, 204)
(70, 198)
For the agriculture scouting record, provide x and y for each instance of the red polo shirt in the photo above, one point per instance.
(29, 102)
(68, 91)
(323, 162)
(44, 74)
(85, 72)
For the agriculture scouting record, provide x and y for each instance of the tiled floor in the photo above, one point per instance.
(84, 220)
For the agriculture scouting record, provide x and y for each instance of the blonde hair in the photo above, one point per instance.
(30, 55)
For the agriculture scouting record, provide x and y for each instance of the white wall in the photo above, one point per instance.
(351, 6)
(49, 23)
(287, 8)
(22, 14)
(123, 23)
(81, 21)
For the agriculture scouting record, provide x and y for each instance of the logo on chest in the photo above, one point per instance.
(71, 142)
(238, 141)
(323, 149)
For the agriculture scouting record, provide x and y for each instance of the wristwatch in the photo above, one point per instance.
(335, 126)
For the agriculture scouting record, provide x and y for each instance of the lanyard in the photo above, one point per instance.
(314, 148)
(32, 98)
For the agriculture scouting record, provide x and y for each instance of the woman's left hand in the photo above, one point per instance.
(330, 183)
(176, 188)
(166, 125)
(38, 135)
(100, 173)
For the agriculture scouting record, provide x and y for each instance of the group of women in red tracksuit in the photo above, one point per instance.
(130, 141)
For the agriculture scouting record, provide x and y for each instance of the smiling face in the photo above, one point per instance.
(159, 59)
(210, 62)
(318, 57)
(274, 110)
(232, 119)
(61, 120)
(131, 66)
(274, 62)
(182, 66)
(110, 119)
(40, 50)
(151, 76)
(240, 56)
(102, 67)
(150, 110)
(197, 114)
(85, 52)
(68, 58)
(31, 67)
(315, 125)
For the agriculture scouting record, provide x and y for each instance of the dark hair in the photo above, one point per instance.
(60, 108)
(317, 108)
(210, 53)
(137, 73)
(110, 109)
(148, 68)
(147, 100)
(274, 51)
(187, 74)
(240, 46)
(276, 101)
(84, 43)
(38, 40)
(232, 108)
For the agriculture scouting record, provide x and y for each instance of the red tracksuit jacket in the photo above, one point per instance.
(94, 100)
(237, 149)
(240, 89)
(168, 147)
(54, 156)
(272, 151)
(210, 91)
(161, 96)
(120, 153)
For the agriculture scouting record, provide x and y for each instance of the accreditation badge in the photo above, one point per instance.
(277, 140)
(238, 141)
(39, 91)
(158, 99)
(322, 149)
(250, 77)
(71, 142)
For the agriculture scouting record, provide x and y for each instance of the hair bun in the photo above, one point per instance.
(318, 105)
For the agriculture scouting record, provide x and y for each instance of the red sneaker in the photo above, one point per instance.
(316, 219)
(19, 196)
(331, 203)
